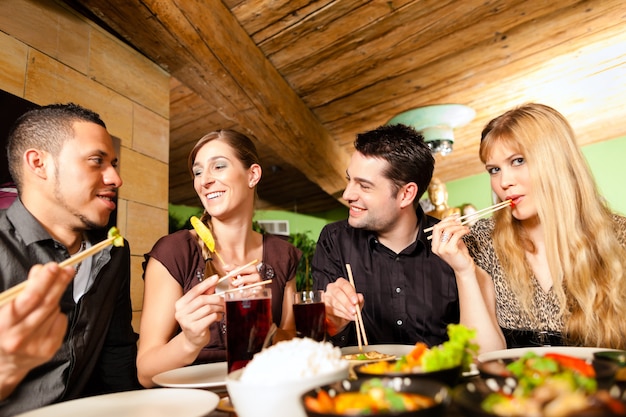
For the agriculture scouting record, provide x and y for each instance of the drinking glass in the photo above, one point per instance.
(310, 314)
(248, 320)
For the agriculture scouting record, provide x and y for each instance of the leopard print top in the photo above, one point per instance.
(508, 309)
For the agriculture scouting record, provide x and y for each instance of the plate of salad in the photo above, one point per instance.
(543, 385)
(444, 362)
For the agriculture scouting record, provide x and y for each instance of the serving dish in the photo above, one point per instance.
(449, 376)
(394, 350)
(577, 351)
(275, 398)
(468, 398)
(497, 368)
(435, 390)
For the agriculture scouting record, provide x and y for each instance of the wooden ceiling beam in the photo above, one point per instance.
(201, 43)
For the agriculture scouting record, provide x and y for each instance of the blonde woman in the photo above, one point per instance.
(552, 268)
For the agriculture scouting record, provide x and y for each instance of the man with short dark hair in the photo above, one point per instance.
(407, 293)
(64, 164)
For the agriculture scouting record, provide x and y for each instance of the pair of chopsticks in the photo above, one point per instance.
(245, 287)
(473, 216)
(10, 294)
(236, 271)
(360, 328)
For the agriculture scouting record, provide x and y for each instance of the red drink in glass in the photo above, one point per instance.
(248, 320)
(310, 315)
(310, 320)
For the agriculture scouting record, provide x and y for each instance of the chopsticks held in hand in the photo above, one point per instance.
(360, 328)
(478, 214)
(236, 271)
(114, 238)
(245, 287)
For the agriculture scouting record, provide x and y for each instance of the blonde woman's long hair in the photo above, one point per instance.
(585, 258)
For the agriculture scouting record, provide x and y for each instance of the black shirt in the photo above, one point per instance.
(409, 297)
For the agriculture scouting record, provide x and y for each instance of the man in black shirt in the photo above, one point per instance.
(407, 293)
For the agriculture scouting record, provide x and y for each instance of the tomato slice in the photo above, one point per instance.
(577, 364)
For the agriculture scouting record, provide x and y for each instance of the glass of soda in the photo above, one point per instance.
(248, 320)
(310, 314)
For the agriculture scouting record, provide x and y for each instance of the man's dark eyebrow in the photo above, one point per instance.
(363, 181)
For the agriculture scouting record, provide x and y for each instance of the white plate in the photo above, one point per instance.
(396, 350)
(196, 376)
(158, 402)
(577, 351)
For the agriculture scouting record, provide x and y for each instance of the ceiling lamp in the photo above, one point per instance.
(436, 123)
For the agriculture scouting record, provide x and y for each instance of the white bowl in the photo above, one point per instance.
(275, 399)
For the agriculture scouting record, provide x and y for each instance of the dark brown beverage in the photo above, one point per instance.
(310, 320)
(247, 323)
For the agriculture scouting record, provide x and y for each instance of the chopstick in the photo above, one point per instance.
(360, 327)
(10, 294)
(473, 216)
(245, 287)
(236, 271)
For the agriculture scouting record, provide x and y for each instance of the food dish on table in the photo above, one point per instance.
(157, 402)
(579, 352)
(272, 383)
(398, 397)
(548, 384)
(209, 375)
(443, 362)
(374, 353)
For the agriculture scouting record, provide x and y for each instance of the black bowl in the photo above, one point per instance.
(449, 376)
(469, 397)
(496, 368)
(433, 389)
(615, 356)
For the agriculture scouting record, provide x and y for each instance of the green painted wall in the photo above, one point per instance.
(301, 223)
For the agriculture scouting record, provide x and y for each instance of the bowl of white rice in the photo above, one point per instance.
(273, 382)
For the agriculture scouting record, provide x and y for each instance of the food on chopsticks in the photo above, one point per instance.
(373, 397)
(550, 385)
(458, 350)
(113, 238)
(368, 356)
(205, 234)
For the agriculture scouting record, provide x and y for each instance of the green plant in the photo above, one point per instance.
(307, 245)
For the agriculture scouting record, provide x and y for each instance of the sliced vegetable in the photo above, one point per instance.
(118, 239)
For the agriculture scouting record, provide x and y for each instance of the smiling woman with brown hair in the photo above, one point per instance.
(181, 322)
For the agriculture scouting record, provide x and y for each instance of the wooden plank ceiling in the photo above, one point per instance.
(302, 77)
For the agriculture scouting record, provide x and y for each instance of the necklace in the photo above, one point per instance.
(83, 245)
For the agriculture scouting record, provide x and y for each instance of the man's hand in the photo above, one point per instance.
(32, 326)
(341, 300)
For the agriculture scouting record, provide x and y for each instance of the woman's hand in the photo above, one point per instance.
(248, 276)
(197, 310)
(447, 243)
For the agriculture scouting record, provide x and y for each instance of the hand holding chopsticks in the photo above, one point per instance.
(480, 213)
(360, 328)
